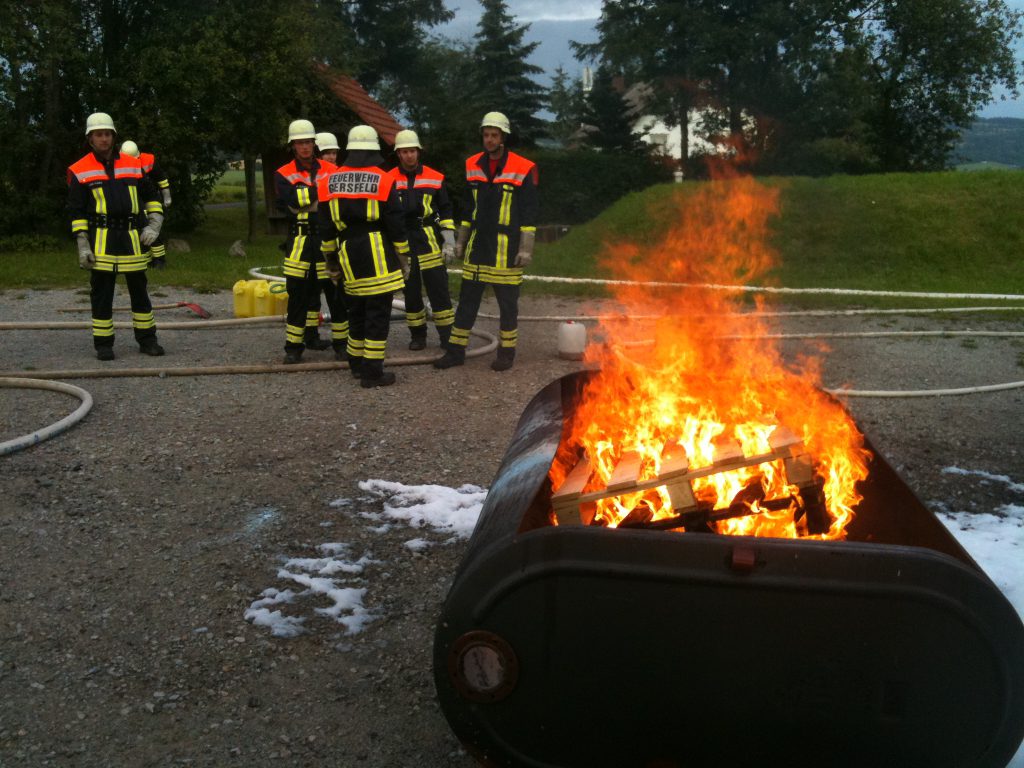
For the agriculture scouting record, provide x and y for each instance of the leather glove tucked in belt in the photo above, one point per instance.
(152, 230)
(86, 258)
(448, 249)
(525, 255)
(167, 197)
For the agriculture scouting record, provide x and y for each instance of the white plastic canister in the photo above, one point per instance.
(572, 340)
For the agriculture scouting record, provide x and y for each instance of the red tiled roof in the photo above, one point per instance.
(360, 102)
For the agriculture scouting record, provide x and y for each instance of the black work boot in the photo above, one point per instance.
(453, 356)
(104, 353)
(151, 348)
(355, 365)
(339, 352)
(374, 375)
(292, 356)
(419, 338)
(313, 341)
(506, 356)
(444, 332)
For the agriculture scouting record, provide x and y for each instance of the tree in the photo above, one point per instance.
(607, 116)
(566, 102)
(501, 74)
(822, 84)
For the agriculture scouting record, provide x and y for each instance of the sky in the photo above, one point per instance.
(553, 23)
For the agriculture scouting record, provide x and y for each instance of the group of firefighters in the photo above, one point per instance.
(357, 233)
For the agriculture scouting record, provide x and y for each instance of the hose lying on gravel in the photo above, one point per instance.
(218, 370)
(18, 443)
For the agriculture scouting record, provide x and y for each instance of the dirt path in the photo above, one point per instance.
(132, 545)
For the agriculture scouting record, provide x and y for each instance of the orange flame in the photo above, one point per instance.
(708, 375)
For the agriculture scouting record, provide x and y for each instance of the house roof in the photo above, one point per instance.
(359, 101)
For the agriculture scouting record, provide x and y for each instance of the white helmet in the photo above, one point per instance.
(362, 137)
(99, 121)
(496, 120)
(326, 141)
(300, 129)
(407, 140)
(130, 148)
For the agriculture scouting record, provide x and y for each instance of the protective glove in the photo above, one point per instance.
(525, 255)
(448, 249)
(152, 230)
(403, 262)
(86, 258)
(167, 197)
(460, 243)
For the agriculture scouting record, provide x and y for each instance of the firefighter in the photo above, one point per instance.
(327, 153)
(108, 193)
(428, 212)
(296, 187)
(496, 241)
(365, 245)
(158, 251)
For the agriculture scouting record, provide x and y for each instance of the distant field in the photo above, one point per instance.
(230, 188)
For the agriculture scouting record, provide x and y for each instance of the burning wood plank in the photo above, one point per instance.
(573, 507)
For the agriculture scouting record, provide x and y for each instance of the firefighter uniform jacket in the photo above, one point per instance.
(296, 189)
(363, 222)
(427, 210)
(154, 171)
(107, 200)
(501, 207)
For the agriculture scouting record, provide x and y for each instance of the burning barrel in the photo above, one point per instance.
(662, 642)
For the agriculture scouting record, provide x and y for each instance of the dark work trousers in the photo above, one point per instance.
(101, 296)
(470, 294)
(299, 291)
(369, 318)
(334, 294)
(435, 280)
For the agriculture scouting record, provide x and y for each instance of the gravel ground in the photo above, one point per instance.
(132, 544)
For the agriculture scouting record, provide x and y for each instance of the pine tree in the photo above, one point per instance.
(565, 100)
(502, 78)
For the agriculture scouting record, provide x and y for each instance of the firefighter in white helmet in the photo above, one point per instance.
(327, 147)
(108, 195)
(431, 229)
(158, 250)
(495, 239)
(365, 244)
(296, 187)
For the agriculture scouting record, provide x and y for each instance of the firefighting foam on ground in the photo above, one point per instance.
(704, 376)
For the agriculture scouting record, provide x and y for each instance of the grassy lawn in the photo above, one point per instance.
(941, 232)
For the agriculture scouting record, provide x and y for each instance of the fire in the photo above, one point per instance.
(704, 378)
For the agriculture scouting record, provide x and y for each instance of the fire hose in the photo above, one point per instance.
(32, 438)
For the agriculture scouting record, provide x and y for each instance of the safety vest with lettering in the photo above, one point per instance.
(427, 208)
(363, 223)
(108, 202)
(501, 208)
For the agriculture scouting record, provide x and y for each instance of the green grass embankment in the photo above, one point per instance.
(942, 232)
(937, 232)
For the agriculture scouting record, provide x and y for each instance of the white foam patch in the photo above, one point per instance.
(446, 510)
(417, 545)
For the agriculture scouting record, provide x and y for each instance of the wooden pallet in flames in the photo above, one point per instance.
(574, 507)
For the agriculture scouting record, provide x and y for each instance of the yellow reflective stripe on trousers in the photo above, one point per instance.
(293, 333)
(143, 320)
(373, 349)
(103, 327)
